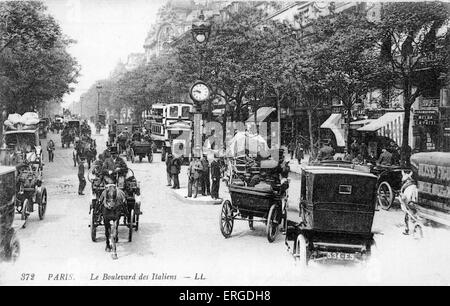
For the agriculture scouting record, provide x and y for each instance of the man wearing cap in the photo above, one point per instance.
(326, 152)
(385, 158)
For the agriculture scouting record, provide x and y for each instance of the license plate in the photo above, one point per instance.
(340, 256)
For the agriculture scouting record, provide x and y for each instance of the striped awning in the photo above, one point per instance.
(334, 123)
(389, 125)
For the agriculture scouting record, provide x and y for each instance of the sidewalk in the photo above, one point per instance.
(181, 194)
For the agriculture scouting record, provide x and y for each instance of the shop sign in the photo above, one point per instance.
(429, 103)
(426, 117)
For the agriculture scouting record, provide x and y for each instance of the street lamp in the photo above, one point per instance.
(99, 87)
(201, 29)
(199, 92)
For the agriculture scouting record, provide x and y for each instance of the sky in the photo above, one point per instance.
(106, 31)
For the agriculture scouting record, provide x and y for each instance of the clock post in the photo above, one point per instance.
(199, 92)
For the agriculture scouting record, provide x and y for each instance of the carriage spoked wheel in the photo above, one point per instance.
(150, 158)
(301, 251)
(42, 202)
(130, 225)
(273, 221)
(226, 219)
(385, 195)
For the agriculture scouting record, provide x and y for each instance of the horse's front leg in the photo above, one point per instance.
(107, 235)
(114, 238)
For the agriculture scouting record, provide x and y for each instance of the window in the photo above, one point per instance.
(185, 110)
(345, 189)
(173, 112)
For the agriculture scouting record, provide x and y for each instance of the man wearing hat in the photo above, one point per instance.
(215, 177)
(169, 174)
(175, 167)
(114, 164)
(81, 179)
(326, 152)
(205, 182)
(194, 172)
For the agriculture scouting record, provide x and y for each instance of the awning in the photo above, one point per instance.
(261, 114)
(334, 124)
(389, 125)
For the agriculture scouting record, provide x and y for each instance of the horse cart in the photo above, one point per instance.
(129, 213)
(29, 191)
(259, 198)
(141, 149)
(389, 184)
(336, 211)
(9, 244)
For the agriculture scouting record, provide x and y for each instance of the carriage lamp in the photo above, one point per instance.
(201, 29)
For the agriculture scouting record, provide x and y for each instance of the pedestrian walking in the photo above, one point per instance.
(168, 163)
(194, 172)
(291, 149)
(81, 179)
(205, 180)
(175, 167)
(50, 150)
(299, 153)
(215, 177)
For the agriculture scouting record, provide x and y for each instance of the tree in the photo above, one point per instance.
(346, 57)
(34, 64)
(414, 51)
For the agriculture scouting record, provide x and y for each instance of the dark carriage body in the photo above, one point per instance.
(337, 208)
(252, 201)
(432, 173)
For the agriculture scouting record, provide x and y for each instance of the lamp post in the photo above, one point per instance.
(201, 30)
(99, 87)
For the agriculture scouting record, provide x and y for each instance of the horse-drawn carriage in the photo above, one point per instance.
(9, 244)
(29, 191)
(129, 213)
(389, 183)
(336, 211)
(258, 189)
(24, 146)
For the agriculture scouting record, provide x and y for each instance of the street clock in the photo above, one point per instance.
(200, 92)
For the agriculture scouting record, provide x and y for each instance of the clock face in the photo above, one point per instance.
(200, 38)
(200, 92)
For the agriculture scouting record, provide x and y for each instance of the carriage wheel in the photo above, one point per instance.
(226, 219)
(273, 221)
(150, 158)
(130, 225)
(42, 204)
(136, 222)
(301, 251)
(385, 195)
(25, 209)
(12, 248)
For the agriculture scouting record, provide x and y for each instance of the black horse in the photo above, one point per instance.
(113, 202)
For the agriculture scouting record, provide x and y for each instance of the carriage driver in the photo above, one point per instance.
(114, 164)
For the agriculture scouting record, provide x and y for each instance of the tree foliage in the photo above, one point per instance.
(35, 66)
